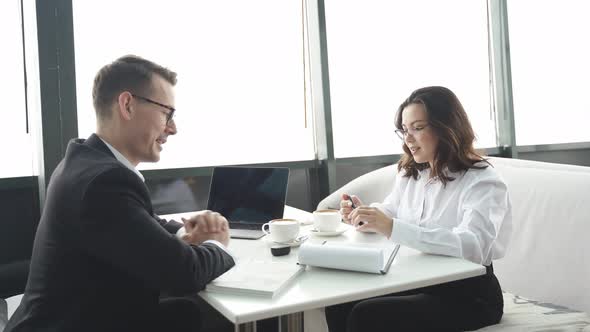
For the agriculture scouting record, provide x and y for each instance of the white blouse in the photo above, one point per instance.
(470, 218)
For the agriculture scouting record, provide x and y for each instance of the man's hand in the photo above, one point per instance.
(206, 225)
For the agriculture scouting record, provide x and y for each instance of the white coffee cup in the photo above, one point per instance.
(327, 220)
(282, 230)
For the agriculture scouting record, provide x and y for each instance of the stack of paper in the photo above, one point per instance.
(256, 277)
(348, 256)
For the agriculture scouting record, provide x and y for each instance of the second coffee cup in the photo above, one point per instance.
(282, 230)
(326, 220)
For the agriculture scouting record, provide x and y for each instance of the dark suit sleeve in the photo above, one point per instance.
(172, 226)
(117, 229)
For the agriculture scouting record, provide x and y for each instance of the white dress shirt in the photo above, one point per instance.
(181, 231)
(470, 218)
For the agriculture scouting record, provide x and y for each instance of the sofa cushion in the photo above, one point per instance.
(522, 314)
(521, 163)
(547, 258)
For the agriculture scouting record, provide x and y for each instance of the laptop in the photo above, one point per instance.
(248, 197)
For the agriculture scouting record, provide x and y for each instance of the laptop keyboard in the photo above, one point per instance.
(251, 226)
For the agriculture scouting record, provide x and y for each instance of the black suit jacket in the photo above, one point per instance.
(101, 257)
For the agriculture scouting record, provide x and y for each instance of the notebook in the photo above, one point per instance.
(349, 256)
(256, 277)
(248, 197)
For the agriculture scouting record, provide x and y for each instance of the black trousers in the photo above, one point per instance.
(462, 305)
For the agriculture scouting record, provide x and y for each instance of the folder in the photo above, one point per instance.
(349, 256)
(256, 277)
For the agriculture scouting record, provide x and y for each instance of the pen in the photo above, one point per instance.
(351, 202)
(354, 207)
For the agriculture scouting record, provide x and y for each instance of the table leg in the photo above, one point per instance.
(291, 322)
(314, 320)
(287, 323)
(283, 323)
(246, 327)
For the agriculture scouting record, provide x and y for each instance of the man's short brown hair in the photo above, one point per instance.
(128, 73)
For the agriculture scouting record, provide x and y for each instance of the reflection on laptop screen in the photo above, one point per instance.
(247, 194)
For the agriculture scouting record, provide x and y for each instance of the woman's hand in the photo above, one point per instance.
(373, 220)
(346, 206)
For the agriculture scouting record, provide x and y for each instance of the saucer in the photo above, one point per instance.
(305, 222)
(295, 243)
(343, 228)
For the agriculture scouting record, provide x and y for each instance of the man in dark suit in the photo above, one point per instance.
(102, 260)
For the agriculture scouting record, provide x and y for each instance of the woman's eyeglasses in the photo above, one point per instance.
(403, 133)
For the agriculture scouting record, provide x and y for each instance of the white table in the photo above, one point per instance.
(318, 287)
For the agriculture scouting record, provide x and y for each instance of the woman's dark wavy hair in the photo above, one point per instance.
(447, 117)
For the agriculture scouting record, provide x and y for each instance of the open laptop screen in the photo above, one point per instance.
(248, 194)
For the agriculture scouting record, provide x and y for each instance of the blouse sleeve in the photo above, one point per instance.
(391, 202)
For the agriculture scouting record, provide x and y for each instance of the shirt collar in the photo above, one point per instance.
(123, 160)
(425, 173)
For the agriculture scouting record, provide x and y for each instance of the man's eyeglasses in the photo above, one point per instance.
(402, 133)
(169, 116)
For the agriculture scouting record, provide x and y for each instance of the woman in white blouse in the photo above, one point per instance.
(446, 200)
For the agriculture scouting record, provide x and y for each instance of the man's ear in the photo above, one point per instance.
(124, 105)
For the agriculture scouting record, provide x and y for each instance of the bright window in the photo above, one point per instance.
(240, 92)
(380, 51)
(16, 145)
(550, 69)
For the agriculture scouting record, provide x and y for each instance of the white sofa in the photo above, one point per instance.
(548, 260)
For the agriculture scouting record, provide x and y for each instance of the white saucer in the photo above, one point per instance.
(343, 228)
(295, 243)
(306, 222)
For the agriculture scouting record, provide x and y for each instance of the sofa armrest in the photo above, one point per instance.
(370, 188)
